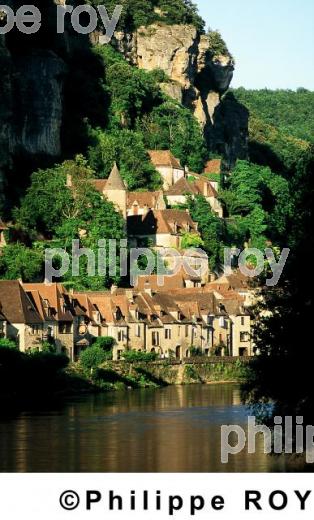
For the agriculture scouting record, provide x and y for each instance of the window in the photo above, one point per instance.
(36, 329)
(138, 331)
(155, 339)
(120, 335)
(244, 336)
(242, 321)
(65, 327)
(186, 331)
(221, 321)
(168, 334)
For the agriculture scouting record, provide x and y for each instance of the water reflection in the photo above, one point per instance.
(169, 430)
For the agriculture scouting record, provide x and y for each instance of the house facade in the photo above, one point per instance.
(140, 203)
(168, 166)
(161, 228)
(23, 325)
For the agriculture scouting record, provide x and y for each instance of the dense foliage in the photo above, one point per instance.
(141, 117)
(31, 376)
(145, 12)
(291, 112)
(280, 123)
(63, 214)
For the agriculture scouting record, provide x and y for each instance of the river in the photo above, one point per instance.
(173, 429)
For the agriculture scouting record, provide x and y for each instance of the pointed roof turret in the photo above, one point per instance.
(115, 181)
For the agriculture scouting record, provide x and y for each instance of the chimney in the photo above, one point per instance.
(129, 295)
(212, 277)
(113, 289)
(147, 288)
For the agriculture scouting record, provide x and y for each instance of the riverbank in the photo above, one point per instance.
(39, 378)
(127, 376)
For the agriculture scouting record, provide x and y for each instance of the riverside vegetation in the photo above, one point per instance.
(39, 377)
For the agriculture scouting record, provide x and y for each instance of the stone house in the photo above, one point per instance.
(161, 228)
(24, 324)
(61, 319)
(168, 166)
(114, 189)
(140, 203)
(168, 323)
(241, 342)
(213, 170)
(192, 187)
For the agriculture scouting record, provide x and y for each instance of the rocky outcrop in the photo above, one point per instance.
(38, 84)
(198, 77)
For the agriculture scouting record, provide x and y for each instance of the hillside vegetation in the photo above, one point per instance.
(145, 12)
(291, 112)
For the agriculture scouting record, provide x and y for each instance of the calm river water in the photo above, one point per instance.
(174, 429)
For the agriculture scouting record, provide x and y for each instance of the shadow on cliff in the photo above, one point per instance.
(228, 132)
(54, 92)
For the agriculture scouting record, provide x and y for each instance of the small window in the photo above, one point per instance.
(155, 339)
(242, 321)
(168, 334)
(120, 335)
(138, 331)
(186, 331)
(35, 329)
(244, 336)
(65, 328)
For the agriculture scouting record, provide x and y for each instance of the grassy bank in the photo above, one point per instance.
(124, 375)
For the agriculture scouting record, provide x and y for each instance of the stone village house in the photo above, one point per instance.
(145, 319)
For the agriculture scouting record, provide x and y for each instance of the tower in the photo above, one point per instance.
(116, 191)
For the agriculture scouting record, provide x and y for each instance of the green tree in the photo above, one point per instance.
(92, 357)
(126, 147)
(20, 262)
(47, 201)
(7, 343)
(211, 227)
(281, 335)
(171, 126)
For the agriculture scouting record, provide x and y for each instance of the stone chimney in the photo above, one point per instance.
(113, 289)
(147, 288)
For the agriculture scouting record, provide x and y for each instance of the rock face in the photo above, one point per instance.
(37, 84)
(31, 107)
(198, 78)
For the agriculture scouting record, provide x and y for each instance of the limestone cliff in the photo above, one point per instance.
(199, 76)
(47, 79)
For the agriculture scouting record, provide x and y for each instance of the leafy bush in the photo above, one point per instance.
(7, 343)
(92, 357)
(145, 12)
(217, 45)
(133, 356)
(106, 343)
(196, 352)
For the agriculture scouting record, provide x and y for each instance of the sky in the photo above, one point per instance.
(271, 40)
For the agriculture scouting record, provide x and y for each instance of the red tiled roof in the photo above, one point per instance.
(164, 158)
(16, 305)
(160, 222)
(99, 184)
(213, 166)
(147, 199)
